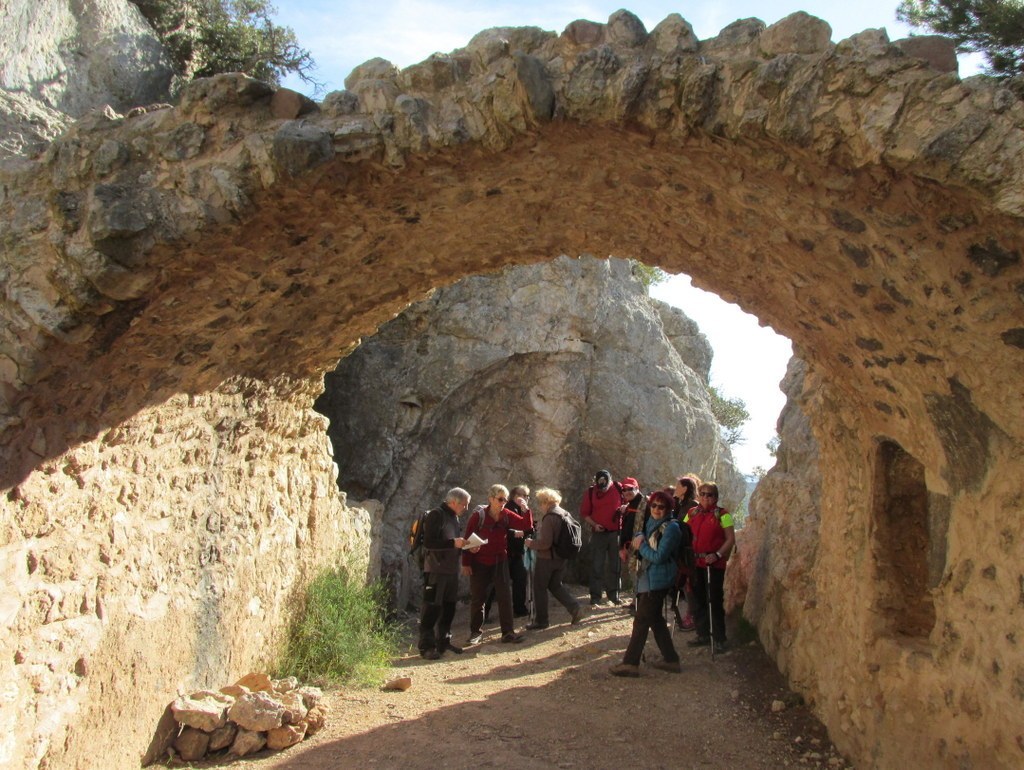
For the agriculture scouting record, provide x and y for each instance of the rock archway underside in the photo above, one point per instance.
(178, 280)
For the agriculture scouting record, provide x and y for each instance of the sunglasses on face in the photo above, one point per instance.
(659, 507)
(708, 494)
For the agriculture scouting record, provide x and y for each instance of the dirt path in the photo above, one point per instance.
(550, 703)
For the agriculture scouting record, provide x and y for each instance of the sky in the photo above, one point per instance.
(342, 35)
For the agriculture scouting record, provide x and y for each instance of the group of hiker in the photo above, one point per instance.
(675, 543)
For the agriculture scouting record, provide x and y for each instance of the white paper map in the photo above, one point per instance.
(473, 541)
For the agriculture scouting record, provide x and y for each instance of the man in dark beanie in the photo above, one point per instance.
(600, 509)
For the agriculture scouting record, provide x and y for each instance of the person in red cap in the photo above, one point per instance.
(600, 511)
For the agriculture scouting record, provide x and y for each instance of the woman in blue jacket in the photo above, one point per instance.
(656, 548)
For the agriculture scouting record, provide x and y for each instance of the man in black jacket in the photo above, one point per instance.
(441, 573)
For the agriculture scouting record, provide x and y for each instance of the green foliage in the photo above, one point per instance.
(773, 445)
(342, 634)
(731, 414)
(648, 275)
(207, 37)
(994, 28)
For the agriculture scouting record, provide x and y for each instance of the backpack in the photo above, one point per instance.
(686, 559)
(569, 537)
(416, 549)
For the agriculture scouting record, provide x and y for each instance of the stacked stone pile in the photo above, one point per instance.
(254, 713)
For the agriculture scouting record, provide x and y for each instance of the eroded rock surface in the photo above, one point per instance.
(538, 375)
(62, 59)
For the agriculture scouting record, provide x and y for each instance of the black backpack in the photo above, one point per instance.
(686, 559)
(569, 537)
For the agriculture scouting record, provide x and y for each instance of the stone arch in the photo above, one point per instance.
(178, 280)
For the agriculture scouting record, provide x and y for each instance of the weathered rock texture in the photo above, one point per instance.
(61, 58)
(538, 374)
(241, 719)
(177, 283)
(772, 575)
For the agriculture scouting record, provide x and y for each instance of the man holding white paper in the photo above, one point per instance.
(441, 574)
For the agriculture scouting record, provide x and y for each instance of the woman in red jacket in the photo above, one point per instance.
(713, 541)
(488, 563)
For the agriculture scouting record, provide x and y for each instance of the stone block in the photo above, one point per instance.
(191, 744)
(256, 711)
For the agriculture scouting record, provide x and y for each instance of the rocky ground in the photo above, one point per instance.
(550, 702)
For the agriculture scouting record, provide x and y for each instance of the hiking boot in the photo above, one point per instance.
(686, 623)
(474, 640)
(672, 666)
(616, 602)
(625, 669)
(450, 646)
(536, 626)
(721, 647)
(520, 613)
(511, 638)
(577, 617)
(430, 654)
(700, 641)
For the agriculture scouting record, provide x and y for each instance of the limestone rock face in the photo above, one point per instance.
(541, 375)
(75, 56)
(26, 124)
(778, 545)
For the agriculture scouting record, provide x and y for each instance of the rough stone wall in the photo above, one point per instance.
(860, 201)
(778, 546)
(538, 374)
(162, 557)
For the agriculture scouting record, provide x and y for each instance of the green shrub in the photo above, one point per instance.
(207, 37)
(342, 634)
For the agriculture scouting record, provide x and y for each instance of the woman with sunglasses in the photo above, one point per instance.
(713, 541)
(656, 548)
(488, 564)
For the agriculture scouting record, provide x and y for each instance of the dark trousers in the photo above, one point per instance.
(706, 621)
(547, 576)
(605, 565)
(649, 618)
(520, 584)
(483, 577)
(440, 593)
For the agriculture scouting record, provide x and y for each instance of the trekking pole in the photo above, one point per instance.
(711, 616)
(531, 593)
(618, 574)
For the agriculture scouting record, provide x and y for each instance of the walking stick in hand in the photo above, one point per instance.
(711, 615)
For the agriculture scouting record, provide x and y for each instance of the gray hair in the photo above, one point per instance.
(457, 493)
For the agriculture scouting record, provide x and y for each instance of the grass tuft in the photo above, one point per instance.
(342, 635)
